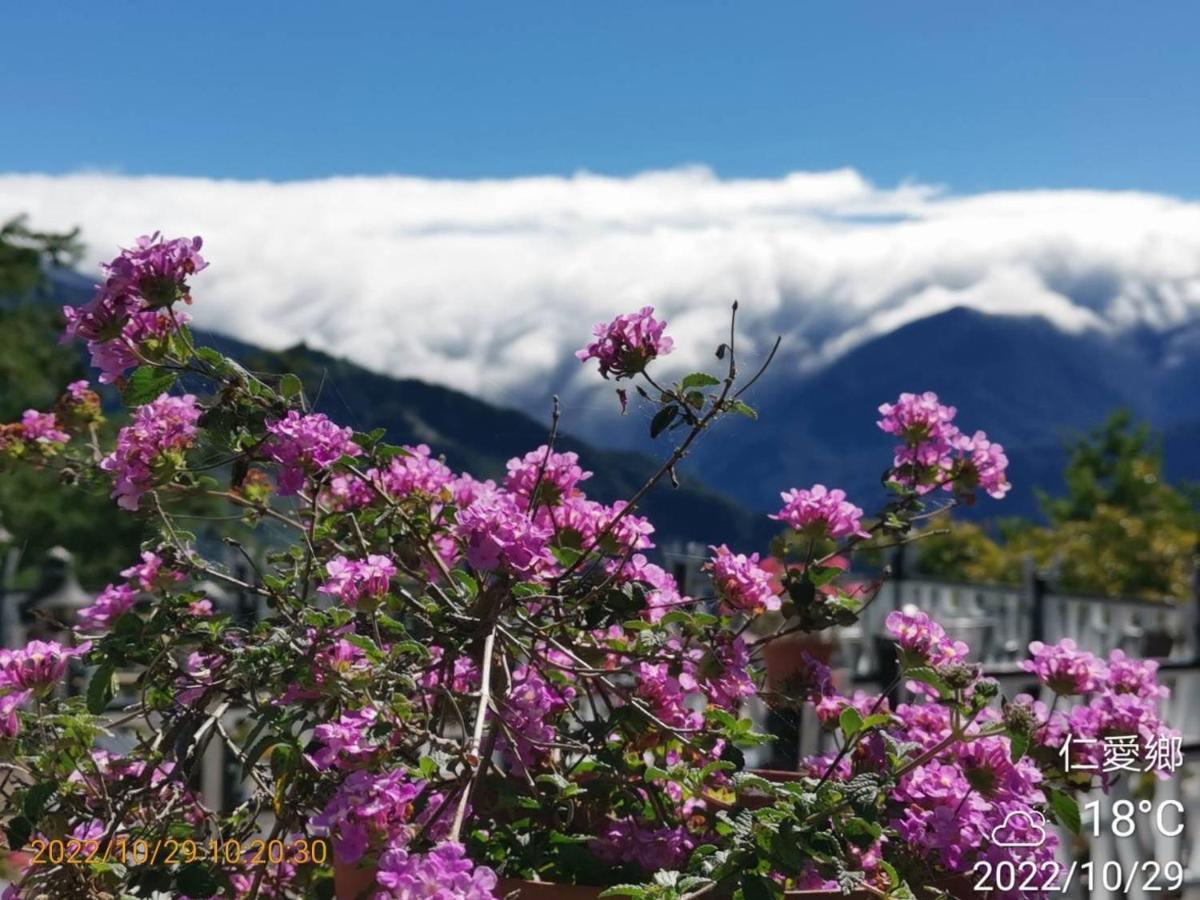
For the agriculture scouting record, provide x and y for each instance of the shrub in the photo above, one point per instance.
(459, 680)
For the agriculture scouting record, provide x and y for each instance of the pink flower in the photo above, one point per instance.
(727, 679)
(1134, 676)
(741, 582)
(498, 533)
(414, 471)
(647, 846)
(111, 603)
(159, 433)
(927, 430)
(149, 574)
(303, 445)
(345, 743)
(37, 666)
(444, 873)
(982, 464)
(821, 513)
(131, 307)
(42, 428)
(374, 810)
(10, 724)
(530, 712)
(923, 641)
(666, 696)
(1064, 668)
(628, 343)
(353, 581)
(554, 475)
(463, 680)
(663, 594)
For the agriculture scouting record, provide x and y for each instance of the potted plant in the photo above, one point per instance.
(462, 687)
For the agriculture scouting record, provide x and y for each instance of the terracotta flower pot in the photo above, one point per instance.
(545, 890)
(353, 881)
(784, 656)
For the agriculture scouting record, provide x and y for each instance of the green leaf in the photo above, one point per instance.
(1066, 809)
(18, 831)
(662, 420)
(146, 384)
(759, 887)
(850, 721)
(1018, 743)
(290, 386)
(860, 832)
(741, 408)
(194, 880)
(101, 689)
(35, 800)
(698, 380)
(566, 556)
(469, 585)
(929, 677)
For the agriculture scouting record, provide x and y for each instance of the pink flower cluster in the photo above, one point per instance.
(10, 701)
(38, 666)
(305, 444)
(666, 695)
(923, 641)
(42, 428)
(415, 471)
(155, 440)
(530, 711)
(132, 306)
(662, 591)
(552, 475)
(443, 873)
(463, 680)
(497, 532)
(650, 847)
(347, 742)
(821, 513)
(934, 453)
(627, 344)
(355, 580)
(741, 583)
(117, 599)
(1064, 668)
(376, 810)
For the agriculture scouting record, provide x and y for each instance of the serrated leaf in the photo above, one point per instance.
(146, 384)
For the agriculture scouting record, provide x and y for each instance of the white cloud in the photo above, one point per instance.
(489, 285)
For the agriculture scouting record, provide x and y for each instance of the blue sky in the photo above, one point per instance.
(968, 95)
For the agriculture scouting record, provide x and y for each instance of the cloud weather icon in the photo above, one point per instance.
(1021, 836)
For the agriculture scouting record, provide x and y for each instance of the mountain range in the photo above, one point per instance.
(475, 436)
(1028, 383)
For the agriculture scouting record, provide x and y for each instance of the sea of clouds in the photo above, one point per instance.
(490, 285)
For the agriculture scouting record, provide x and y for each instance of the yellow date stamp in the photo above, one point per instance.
(171, 851)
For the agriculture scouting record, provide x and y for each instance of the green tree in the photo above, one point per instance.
(34, 369)
(1120, 528)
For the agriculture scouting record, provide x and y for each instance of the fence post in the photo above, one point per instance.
(1035, 583)
(1196, 605)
